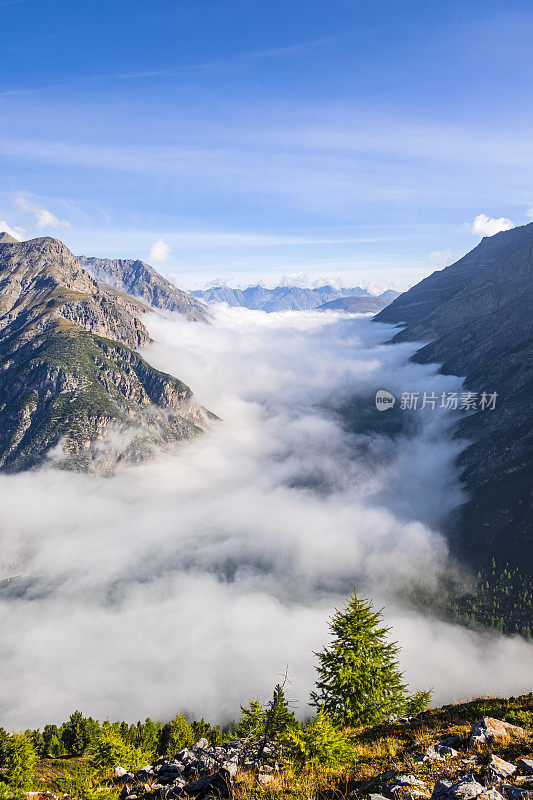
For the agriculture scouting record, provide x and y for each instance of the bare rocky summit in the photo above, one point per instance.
(142, 281)
(70, 377)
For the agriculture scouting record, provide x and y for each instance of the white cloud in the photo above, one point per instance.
(17, 233)
(159, 251)
(530, 213)
(220, 561)
(43, 217)
(488, 226)
(441, 258)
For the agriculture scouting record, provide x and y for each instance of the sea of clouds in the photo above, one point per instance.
(189, 582)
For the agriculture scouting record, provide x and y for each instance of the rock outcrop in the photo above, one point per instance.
(142, 281)
(476, 317)
(71, 382)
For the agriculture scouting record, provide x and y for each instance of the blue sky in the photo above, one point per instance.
(249, 140)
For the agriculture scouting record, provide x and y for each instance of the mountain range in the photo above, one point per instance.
(70, 376)
(285, 298)
(475, 318)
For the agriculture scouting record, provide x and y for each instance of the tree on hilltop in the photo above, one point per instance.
(359, 682)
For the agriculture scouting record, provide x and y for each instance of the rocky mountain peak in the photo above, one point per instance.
(144, 282)
(6, 238)
(69, 373)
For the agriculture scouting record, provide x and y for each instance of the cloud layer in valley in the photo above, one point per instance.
(189, 582)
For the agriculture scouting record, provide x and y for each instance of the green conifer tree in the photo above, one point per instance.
(20, 759)
(358, 677)
(76, 734)
(175, 735)
(253, 720)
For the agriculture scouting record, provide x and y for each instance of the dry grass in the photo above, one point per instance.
(394, 747)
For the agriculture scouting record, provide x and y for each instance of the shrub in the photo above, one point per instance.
(19, 760)
(83, 782)
(318, 744)
(418, 702)
(110, 750)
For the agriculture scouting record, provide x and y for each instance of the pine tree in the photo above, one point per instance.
(175, 735)
(75, 734)
(253, 720)
(358, 677)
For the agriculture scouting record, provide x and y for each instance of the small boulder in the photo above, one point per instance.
(487, 729)
(515, 792)
(499, 769)
(408, 780)
(441, 790)
(439, 752)
(230, 767)
(490, 794)
(263, 778)
(119, 772)
(465, 788)
(415, 786)
(201, 744)
(525, 765)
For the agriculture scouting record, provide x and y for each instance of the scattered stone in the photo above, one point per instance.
(408, 780)
(499, 769)
(490, 794)
(525, 765)
(376, 797)
(119, 772)
(487, 729)
(465, 788)
(230, 767)
(515, 792)
(264, 778)
(439, 752)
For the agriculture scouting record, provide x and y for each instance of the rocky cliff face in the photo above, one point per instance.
(69, 375)
(142, 281)
(476, 316)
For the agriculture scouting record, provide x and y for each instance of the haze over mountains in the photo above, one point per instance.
(477, 317)
(291, 298)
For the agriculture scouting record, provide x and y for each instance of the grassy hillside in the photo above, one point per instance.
(379, 754)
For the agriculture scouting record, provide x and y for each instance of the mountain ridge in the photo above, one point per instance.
(70, 375)
(140, 280)
(475, 319)
(355, 305)
(279, 298)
